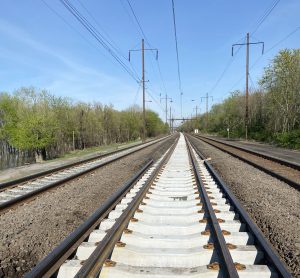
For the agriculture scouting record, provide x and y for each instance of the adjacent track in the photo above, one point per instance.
(286, 171)
(16, 192)
(174, 218)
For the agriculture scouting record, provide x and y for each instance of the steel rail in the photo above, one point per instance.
(18, 181)
(271, 255)
(266, 156)
(227, 262)
(290, 182)
(92, 266)
(18, 200)
(51, 263)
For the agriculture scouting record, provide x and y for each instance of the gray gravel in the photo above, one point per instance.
(30, 232)
(272, 204)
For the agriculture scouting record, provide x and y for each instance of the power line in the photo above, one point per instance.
(265, 15)
(154, 99)
(137, 92)
(98, 36)
(267, 51)
(252, 83)
(260, 22)
(75, 30)
(141, 31)
(67, 23)
(109, 40)
(230, 61)
(276, 44)
(136, 19)
(177, 55)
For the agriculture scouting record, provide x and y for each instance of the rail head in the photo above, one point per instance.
(92, 266)
(34, 176)
(32, 194)
(271, 255)
(223, 251)
(51, 263)
(266, 156)
(261, 167)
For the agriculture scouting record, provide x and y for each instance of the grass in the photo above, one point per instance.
(88, 151)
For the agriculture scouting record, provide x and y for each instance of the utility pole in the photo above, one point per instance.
(143, 82)
(206, 97)
(170, 119)
(181, 93)
(196, 108)
(247, 76)
(166, 98)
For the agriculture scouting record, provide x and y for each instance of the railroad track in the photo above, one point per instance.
(173, 218)
(283, 170)
(16, 192)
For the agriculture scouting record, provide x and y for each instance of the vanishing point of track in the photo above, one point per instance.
(173, 218)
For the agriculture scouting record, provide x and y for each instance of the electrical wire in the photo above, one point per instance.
(142, 33)
(109, 40)
(230, 61)
(98, 36)
(177, 55)
(252, 83)
(260, 22)
(266, 52)
(265, 15)
(67, 23)
(153, 98)
(275, 45)
(137, 93)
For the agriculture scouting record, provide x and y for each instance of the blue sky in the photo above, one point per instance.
(38, 48)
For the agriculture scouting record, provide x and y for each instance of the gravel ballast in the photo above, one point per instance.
(31, 231)
(272, 204)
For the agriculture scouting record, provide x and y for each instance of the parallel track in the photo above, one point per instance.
(16, 192)
(174, 218)
(283, 170)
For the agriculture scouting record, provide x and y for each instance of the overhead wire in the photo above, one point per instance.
(140, 30)
(142, 33)
(252, 83)
(259, 23)
(98, 36)
(266, 52)
(227, 66)
(137, 92)
(265, 15)
(177, 54)
(109, 40)
(275, 45)
(67, 23)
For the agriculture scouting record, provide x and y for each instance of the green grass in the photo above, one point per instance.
(100, 149)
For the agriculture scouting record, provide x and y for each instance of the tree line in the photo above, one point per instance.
(36, 120)
(274, 107)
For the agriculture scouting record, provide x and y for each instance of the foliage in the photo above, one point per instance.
(36, 120)
(274, 108)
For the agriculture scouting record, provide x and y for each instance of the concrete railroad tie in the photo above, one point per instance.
(170, 237)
